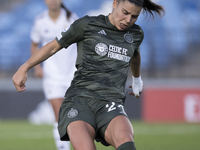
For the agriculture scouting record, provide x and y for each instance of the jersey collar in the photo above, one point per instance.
(109, 23)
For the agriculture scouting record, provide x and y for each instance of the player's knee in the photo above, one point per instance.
(122, 138)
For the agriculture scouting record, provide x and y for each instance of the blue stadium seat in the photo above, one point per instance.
(164, 38)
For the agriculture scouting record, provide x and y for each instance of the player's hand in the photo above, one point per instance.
(19, 80)
(137, 87)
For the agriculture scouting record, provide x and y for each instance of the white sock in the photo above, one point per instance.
(61, 145)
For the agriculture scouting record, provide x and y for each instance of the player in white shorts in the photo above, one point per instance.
(57, 71)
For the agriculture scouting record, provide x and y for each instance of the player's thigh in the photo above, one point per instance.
(81, 135)
(74, 109)
(105, 113)
(56, 103)
(119, 131)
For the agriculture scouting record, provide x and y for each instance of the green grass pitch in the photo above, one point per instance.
(21, 135)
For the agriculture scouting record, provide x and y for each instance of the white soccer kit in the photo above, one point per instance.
(59, 69)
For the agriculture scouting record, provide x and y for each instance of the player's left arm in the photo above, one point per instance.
(137, 84)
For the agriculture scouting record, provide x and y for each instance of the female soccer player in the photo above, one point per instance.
(57, 71)
(94, 103)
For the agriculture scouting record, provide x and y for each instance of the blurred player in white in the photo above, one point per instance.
(57, 71)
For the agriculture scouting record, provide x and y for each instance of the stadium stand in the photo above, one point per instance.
(168, 41)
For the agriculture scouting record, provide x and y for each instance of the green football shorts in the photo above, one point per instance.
(98, 113)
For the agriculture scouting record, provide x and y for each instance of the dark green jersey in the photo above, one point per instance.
(103, 59)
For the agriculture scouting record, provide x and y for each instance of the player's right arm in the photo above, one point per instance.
(20, 77)
(67, 37)
(38, 71)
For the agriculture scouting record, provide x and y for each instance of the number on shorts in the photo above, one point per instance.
(111, 108)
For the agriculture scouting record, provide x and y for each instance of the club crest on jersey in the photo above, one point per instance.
(72, 113)
(101, 49)
(128, 38)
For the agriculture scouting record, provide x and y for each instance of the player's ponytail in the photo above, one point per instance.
(151, 8)
(148, 6)
(68, 12)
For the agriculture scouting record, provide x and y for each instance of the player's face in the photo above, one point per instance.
(124, 14)
(53, 4)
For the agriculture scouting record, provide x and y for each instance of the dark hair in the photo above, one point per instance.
(68, 12)
(148, 6)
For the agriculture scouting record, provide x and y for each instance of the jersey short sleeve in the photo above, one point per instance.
(74, 33)
(35, 34)
(139, 36)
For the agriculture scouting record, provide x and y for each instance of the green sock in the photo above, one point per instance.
(127, 146)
